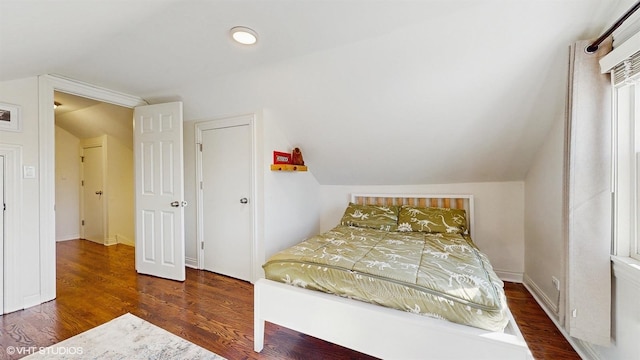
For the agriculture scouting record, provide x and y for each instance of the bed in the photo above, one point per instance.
(410, 280)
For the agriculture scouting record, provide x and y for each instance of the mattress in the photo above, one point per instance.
(439, 275)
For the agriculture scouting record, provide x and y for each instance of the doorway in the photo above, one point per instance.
(47, 86)
(224, 167)
(94, 170)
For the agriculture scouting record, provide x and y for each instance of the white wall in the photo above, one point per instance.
(67, 185)
(499, 216)
(291, 199)
(120, 192)
(22, 249)
(543, 219)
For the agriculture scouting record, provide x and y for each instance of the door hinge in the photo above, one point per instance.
(82, 222)
(200, 185)
(81, 182)
(202, 245)
(200, 145)
(81, 158)
(4, 207)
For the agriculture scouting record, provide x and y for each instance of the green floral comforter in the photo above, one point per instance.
(434, 274)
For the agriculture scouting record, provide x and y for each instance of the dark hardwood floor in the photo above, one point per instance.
(543, 337)
(98, 283)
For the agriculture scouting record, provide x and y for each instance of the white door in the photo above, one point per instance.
(159, 190)
(226, 198)
(2, 235)
(92, 223)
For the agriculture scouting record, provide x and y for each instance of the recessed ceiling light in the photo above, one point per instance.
(244, 35)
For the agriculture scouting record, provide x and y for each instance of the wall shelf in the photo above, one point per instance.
(288, 167)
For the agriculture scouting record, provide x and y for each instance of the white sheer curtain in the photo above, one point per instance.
(588, 197)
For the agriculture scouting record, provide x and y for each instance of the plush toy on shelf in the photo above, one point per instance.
(296, 157)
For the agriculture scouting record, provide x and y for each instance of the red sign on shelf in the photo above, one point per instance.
(281, 157)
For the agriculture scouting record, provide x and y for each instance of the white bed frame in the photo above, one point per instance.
(379, 331)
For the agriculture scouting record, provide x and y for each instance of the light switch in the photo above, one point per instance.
(29, 172)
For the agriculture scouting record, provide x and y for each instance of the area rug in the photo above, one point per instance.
(125, 337)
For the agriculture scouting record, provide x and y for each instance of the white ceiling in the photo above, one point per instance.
(374, 92)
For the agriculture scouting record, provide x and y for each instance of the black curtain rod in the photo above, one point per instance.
(594, 46)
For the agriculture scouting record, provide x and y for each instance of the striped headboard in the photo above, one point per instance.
(422, 200)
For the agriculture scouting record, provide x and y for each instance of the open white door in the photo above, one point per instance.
(159, 190)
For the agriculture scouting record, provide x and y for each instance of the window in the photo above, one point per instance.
(626, 152)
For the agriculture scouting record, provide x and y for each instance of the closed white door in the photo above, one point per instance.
(226, 199)
(93, 194)
(159, 188)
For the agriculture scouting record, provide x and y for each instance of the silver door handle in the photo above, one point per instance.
(99, 192)
(244, 201)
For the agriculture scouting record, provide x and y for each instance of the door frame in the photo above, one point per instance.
(47, 84)
(10, 298)
(238, 120)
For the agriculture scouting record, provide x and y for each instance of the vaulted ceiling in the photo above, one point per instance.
(87, 118)
(374, 92)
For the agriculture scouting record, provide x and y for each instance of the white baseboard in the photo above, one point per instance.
(32, 300)
(121, 239)
(95, 241)
(509, 276)
(110, 241)
(67, 237)
(191, 262)
(536, 290)
(584, 350)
